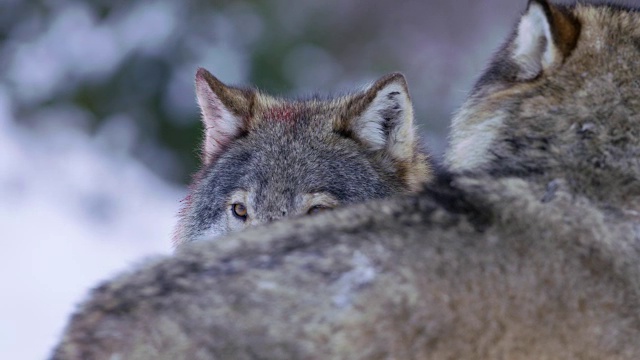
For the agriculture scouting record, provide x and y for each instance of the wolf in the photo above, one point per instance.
(487, 262)
(449, 274)
(559, 104)
(265, 158)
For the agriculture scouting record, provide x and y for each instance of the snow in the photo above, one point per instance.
(73, 212)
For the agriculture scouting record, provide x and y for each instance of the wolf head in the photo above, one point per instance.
(266, 158)
(561, 99)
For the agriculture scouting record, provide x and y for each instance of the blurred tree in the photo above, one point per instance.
(132, 63)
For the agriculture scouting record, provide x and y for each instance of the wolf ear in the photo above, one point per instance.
(225, 113)
(545, 36)
(382, 117)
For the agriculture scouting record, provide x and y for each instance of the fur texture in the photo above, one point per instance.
(473, 269)
(564, 103)
(278, 158)
(527, 253)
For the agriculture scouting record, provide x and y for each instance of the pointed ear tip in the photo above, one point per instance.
(201, 73)
(393, 78)
(542, 3)
(204, 74)
(397, 76)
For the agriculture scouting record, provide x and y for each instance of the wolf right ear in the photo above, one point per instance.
(225, 113)
(545, 36)
(381, 117)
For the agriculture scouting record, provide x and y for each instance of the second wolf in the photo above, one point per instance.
(558, 106)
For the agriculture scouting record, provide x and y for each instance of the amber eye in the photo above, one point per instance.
(317, 209)
(239, 211)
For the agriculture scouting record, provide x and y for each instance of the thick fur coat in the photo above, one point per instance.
(529, 250)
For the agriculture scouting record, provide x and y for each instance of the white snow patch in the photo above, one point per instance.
(71, 214)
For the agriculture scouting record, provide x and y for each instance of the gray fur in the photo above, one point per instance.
(576, 120)
(534, 259)
(480, 270)
(285, 156)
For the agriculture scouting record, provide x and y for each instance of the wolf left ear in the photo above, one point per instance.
(225, 113)
(545, 36)
(381, 117)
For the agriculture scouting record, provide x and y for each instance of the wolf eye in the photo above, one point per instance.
(317, 209)
(239, 211)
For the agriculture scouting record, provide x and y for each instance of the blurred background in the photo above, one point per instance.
(99, 128)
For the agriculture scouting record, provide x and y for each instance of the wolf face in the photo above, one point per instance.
(561, 99)
(266, 158)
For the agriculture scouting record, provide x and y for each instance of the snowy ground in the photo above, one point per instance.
(72, 212)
